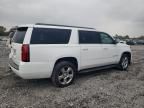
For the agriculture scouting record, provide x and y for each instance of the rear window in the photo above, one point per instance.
(19, 35)
(50, 36)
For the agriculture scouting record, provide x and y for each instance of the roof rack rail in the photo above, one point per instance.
(63, 25)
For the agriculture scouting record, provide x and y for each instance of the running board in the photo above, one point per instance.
(96, 68)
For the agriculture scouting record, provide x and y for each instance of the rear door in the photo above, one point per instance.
(17, 42)
(90, 49)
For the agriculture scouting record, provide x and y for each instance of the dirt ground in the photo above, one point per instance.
(109, 88)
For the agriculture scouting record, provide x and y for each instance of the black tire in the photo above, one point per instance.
(124, 62)
(60, 70)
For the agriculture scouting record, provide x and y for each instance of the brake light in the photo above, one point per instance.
(25, 53)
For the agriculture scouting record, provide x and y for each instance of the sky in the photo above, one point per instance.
(123, 17)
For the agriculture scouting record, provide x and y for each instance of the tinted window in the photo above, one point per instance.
(106, 39)
(19, 35)
(89, 37)
(50, 36)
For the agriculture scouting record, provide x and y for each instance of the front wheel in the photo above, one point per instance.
(63, 74)
(124, 62)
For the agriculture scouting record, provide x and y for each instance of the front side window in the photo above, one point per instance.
(106, 39)
(88, 37)
(50, 36)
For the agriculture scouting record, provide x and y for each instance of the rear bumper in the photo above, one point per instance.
(31, 70)
(14, 65)
(17, 72)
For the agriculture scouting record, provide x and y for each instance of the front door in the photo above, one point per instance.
(90, 49)
(110, 50)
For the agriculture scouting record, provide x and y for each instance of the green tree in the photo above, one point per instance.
(3, 31)
(141, 37)
(126, 37)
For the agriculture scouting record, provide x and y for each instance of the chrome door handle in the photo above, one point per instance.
(105, 48)
(85, 49)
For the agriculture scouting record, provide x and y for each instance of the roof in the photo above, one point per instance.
(63, 25)
(54, 25)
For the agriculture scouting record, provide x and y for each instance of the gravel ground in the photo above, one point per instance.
(109, 88)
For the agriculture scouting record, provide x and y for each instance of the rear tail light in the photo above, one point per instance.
(25, 53)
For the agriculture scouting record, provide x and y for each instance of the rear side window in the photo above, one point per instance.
(19, 35)
(50, 36)
(88, 37)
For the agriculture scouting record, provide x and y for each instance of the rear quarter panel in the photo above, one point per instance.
(43, 57)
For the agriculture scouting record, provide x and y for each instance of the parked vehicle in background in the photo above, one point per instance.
(60, 52)
(140, 42)
(131, 42)
(124, 42)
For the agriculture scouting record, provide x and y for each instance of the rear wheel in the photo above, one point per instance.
(124, 62)
(63, 74)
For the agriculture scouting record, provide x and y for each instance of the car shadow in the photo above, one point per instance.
(19, 82)
(97, 73)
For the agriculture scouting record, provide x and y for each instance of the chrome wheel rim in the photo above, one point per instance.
(125, 62)
(66, 75)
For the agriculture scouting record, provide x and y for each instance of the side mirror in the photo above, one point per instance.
(116, 41)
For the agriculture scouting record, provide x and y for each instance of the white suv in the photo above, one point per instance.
(59, 52)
